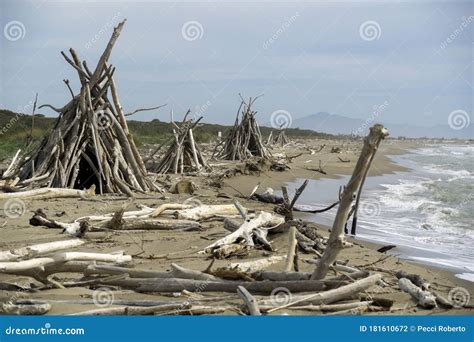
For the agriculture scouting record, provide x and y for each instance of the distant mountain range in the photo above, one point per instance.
(338, 124)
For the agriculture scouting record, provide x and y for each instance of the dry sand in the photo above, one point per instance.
(155, 250)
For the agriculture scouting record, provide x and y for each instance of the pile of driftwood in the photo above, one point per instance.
(255, 290)
(242, 288)
(280, 140)
(183, 154)
(244, 140)
(90, 143)
(112, 272)
(40, 262)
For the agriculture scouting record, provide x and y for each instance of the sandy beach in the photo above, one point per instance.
(156, 250)
(172, 170)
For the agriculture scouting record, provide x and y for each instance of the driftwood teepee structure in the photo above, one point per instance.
(90, 143)
(183, 154)
(281, 139)
(244, 140)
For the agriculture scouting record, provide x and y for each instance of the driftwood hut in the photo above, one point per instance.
(90, 143)
(183, 154)
(244, 140)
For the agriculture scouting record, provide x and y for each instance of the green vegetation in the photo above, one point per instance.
(15, 129)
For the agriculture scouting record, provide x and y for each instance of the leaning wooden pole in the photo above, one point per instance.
(336, 239)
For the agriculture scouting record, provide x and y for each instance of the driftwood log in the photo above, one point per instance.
(178, 284)
(322, 307)
(49, 193)
(423, 298)
(132, 310)
(336, 238)
(39, 249)
(26, 308)
(256, 265)
(176, 272)
(204, 212)
(40, 268)
(330, 296)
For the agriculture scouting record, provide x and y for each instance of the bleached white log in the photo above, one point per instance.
(206, 211)
(256, 265)
(45, 193)
(39, 249)
(263, 219)
(424, 299)
(40, 263)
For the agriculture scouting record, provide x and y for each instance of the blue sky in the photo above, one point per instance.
(305, 57)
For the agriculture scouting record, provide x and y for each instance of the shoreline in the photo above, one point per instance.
(373, 231)
(382, 165)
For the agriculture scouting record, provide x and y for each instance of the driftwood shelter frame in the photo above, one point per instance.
(90, 143)
(244, 139)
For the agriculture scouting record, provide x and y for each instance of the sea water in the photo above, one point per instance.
(426, 212)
